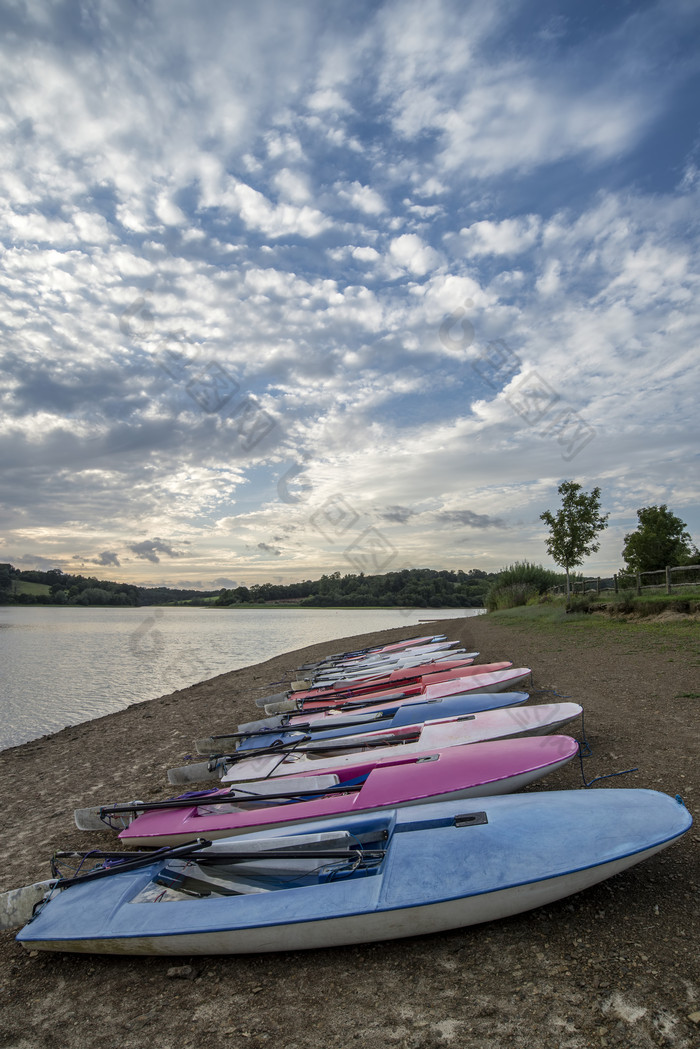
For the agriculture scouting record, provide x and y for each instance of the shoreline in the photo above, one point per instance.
(600, 968)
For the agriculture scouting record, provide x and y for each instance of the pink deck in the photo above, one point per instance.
(462, 771)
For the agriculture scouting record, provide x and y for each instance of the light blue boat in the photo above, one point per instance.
(363, 878)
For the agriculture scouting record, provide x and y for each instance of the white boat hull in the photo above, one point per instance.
(362, 928)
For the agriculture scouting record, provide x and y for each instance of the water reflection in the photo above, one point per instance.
(61, 666)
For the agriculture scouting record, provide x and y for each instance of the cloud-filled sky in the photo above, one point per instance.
(292, 288)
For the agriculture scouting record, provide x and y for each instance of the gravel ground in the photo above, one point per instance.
(615, 966)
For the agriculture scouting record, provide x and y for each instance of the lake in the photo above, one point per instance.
(61, 666)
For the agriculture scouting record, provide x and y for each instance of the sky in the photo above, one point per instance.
(296, 288)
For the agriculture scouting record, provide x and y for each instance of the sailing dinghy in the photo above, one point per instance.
(358, 879)
(483, 725)
(413, 710)
(494, 767)
(330, 754)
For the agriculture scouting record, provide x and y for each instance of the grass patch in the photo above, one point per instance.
(533, 614)
(20, 586)
(627, 602)
(585, 628)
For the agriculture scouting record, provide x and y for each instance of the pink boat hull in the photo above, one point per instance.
(472, 770)
(327, 697)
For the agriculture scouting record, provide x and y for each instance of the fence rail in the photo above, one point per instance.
(633, 581)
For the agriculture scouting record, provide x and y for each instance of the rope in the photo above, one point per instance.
(550, 692)
(584, 750)
(55, 870)
(608, 775)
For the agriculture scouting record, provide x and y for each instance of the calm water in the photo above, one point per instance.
(61, 666)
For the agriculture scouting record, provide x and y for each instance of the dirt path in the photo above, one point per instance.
(615, 966)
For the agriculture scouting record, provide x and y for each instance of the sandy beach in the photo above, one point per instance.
(617, 965)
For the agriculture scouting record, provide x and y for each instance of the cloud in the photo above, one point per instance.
(364, 198)
(468, 519)
(36, 561)
(398, 514)
(149, 549)
(262, 207)
(365, 254)
(508, 237)
(266, 548)
(293, 186)
(328, 99)
(412, 254)
(168, 212)
(281, 220)
(107, 557)
(512, 109)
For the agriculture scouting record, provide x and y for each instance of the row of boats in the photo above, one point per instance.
(377, 798)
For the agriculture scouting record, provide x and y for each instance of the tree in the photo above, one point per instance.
(660, 540)
(574, 529)
(94, 595)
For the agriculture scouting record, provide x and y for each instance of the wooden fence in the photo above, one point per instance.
(664, 580)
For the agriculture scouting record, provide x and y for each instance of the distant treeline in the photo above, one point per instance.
(55, 587)
(414, 588)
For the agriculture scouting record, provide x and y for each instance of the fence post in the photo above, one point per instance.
(668, 579)
(639, 583)
(615, 582)
(597, 585)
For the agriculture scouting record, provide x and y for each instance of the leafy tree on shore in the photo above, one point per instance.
(661, 539)
(573, 530)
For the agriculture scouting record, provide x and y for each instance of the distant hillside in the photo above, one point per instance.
(55, 587)
(412, 588)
